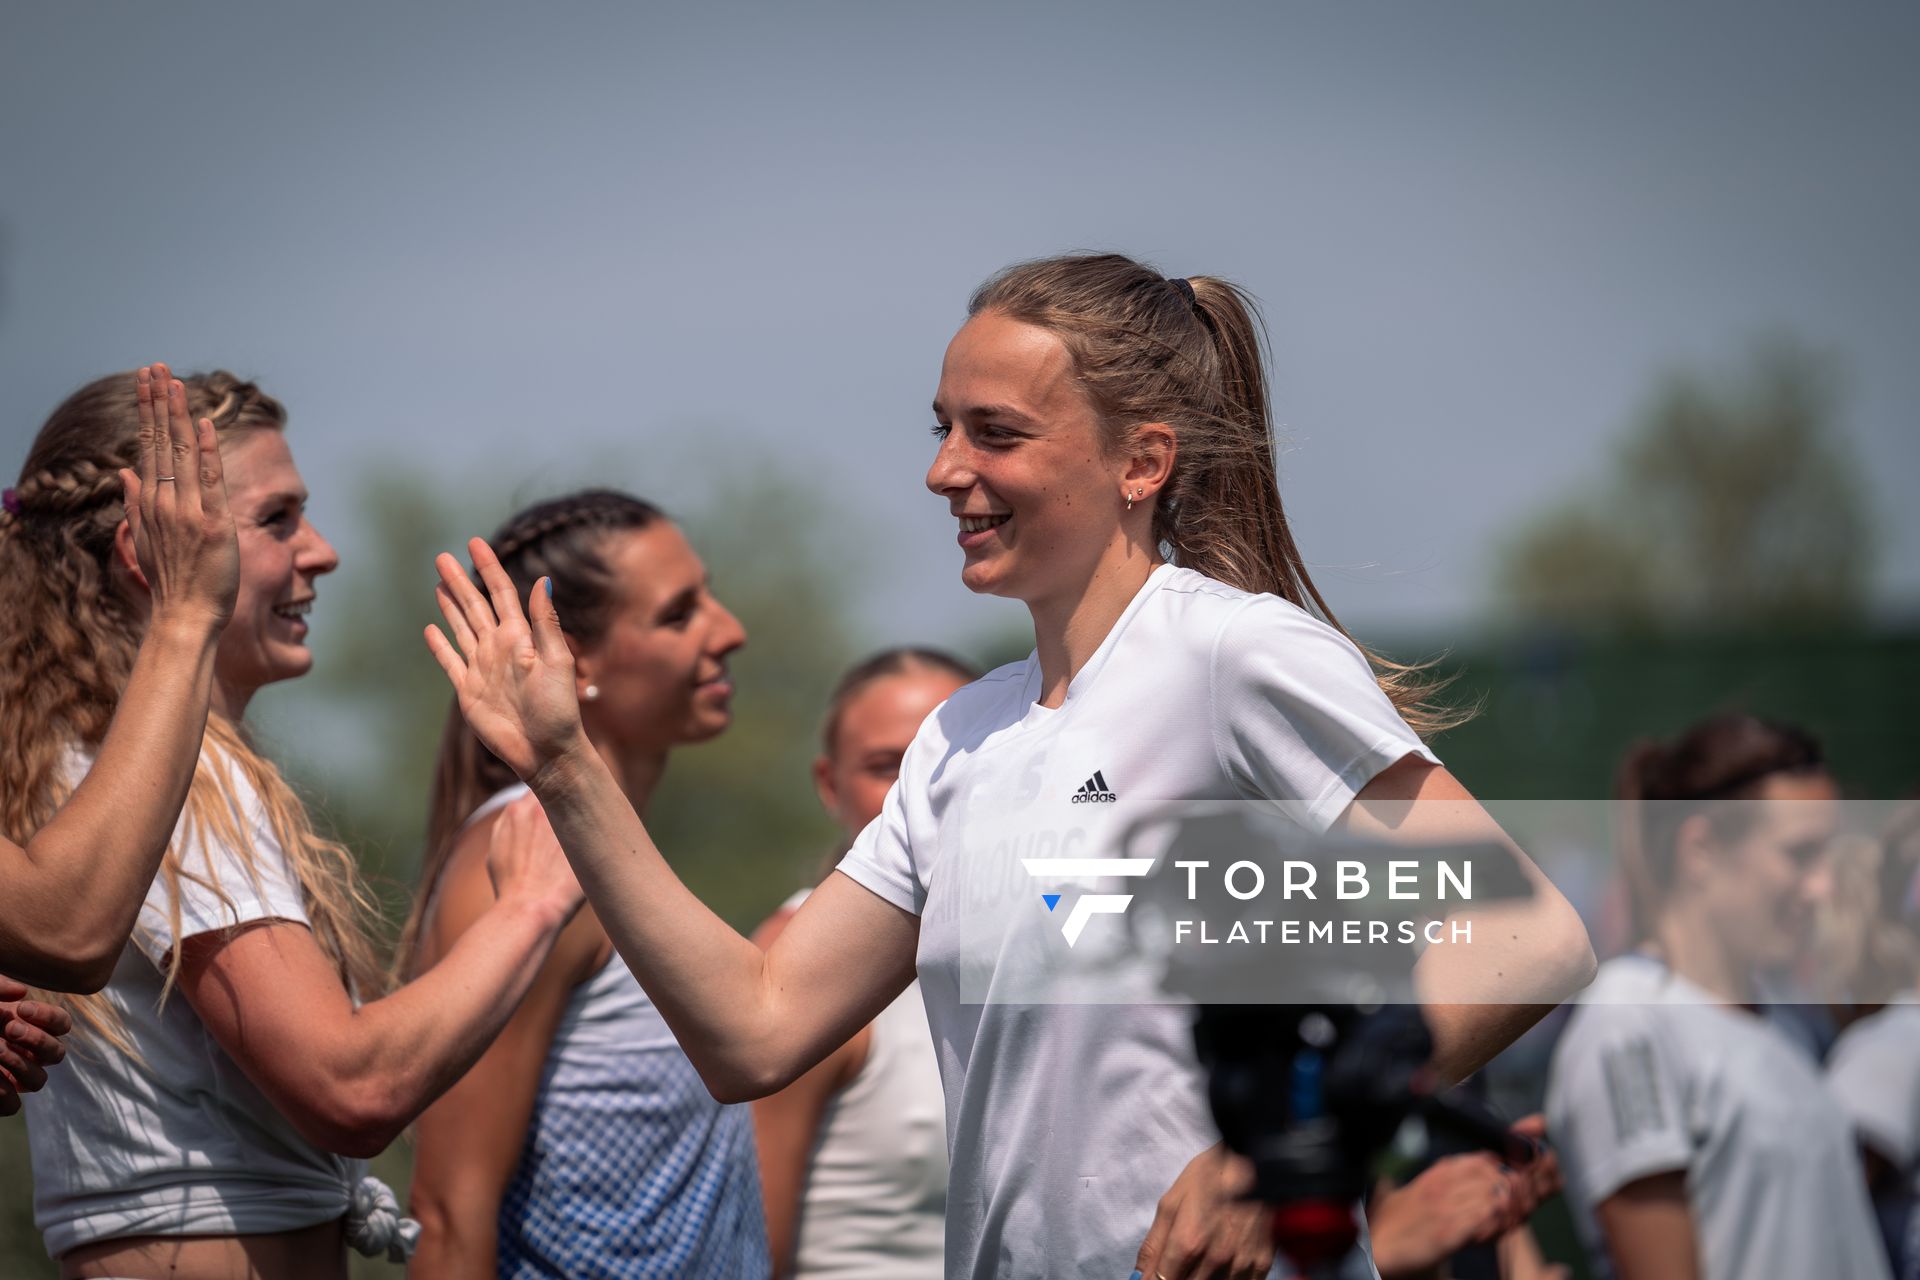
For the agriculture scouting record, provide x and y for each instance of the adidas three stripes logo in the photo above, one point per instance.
(1095, 791)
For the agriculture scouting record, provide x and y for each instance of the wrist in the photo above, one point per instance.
(542, 917)
(565, 771)
(179, 626)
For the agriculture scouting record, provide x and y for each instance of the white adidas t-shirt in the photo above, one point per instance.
(179, 1142)
(1653, 1075)
(1066, 1123)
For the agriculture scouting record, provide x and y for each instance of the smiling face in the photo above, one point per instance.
(281, 554)
(1022, 465)
(660, 669)
(1762, 886)
(871, 734)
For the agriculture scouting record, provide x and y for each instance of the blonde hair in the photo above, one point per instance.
(1189, 353)
(67, 645)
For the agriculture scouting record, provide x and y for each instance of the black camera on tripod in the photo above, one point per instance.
(1308, 1023)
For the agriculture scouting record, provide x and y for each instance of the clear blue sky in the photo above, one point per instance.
(515, 240)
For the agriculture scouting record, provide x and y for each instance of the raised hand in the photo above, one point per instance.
(514, 679)
(29, 1043)
(525, 861)
(177, 506)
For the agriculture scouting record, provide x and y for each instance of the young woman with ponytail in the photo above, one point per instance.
(1697, 1140)
(241, 1059)
(583, 1142)
(1105, 446)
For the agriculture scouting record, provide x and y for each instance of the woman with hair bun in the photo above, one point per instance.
(1104, 445)
(583, 1142)
(242, 1059)
(1696, 1139)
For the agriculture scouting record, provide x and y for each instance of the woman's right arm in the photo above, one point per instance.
(74, 891)
(350, 1079)
(467, 1144)
(1648, 1225)
(750, 1021)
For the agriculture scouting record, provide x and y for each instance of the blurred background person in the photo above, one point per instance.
(584, 1142)
(1874, 1069)
(232, 1077)
(1697, 1139)
(853, 1154)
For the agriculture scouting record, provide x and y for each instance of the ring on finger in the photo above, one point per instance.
(165, 479)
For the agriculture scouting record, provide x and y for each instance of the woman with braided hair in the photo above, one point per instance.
(1104, 445)
(584, 1142)
(73, 888)
(241, 1060)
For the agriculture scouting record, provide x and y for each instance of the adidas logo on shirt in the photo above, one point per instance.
(1095, 791)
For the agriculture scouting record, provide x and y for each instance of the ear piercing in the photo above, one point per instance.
(1130, 497)
(591, 693)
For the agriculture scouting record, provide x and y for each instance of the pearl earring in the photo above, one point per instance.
(591, 693)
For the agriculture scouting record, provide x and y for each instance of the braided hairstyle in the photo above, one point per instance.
(564, 540)
(68, 639)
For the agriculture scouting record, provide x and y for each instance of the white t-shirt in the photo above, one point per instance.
(1654, 1075)
(1066, 1123)
(179, 1142)
(1874, 1072)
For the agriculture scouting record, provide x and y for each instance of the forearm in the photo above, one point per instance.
(711, 985)
(459, 1234)
(73, 903)
(400, 1053)
(1480, 996)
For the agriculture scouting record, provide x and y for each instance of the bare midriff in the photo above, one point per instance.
(311, 1253)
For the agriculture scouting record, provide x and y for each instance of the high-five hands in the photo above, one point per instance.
(29, 1043)
(511, 671)
(183, 536)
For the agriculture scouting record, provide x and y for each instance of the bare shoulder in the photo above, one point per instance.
(463, 892)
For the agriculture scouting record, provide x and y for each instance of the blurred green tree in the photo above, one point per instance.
(1731, 502)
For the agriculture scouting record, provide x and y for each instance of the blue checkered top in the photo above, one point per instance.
(631, 1169)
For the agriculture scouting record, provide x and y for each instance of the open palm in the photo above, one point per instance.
(511, 671)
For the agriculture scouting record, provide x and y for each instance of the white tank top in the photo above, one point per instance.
(876, 1189)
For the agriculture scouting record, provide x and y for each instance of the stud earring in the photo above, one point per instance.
(591, 693)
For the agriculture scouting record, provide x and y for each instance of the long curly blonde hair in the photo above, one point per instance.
(68, 639)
